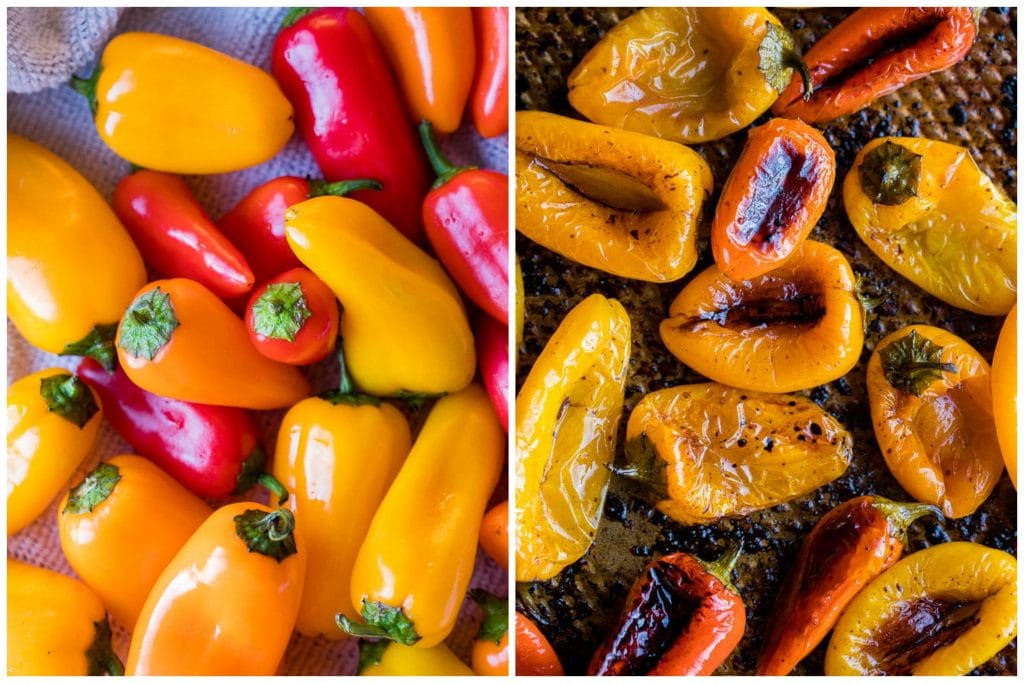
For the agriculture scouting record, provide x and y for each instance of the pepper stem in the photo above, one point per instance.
(370, 653)
(444, 169)
(793, 60)
(346, 392)
(901, 515)
(86, 87)
(382, 621)
(319, 188)
(281, 311)
(267, 533)
(70, 397)
(98, 345)
(495, 623)
(100, 655)
(148, 324)
(93, 490)
(294, 14)
(723, 567)
(912, 363)
(276, 488)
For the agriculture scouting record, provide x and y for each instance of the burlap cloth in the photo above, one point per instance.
(59, 119)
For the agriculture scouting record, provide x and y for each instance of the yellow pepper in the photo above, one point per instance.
(625, 203)
(404, 329)
(72, 269)
(56, 626)
(942, 611)
(1004, 392)
(173, 105)
(52, 421)
(413, 569)
(567, 416)
(386, 658)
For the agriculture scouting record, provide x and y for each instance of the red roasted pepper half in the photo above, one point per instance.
(492, 354)
(347, 107)
(649, 638)
(176, 237)
(466, 219)
(488, 101)
(293, 318)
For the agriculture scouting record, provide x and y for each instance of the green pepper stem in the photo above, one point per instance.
(86, 87)
(495, 623)
(354, 628)
(100, 655)
(276, 488)
(267, 533)
(68, 396)
(444, 169)
(319, 188)
(723, 567)
(93, 490)
(98, 345)
(294, 14)
(901, 515)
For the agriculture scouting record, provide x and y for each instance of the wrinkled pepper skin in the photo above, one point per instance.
(403, 328)
(852, 544)
(121, 526)
(492, 351)
(56, 626)
(944, 225)
(414, 567)
(394, 659)
(710, 451)
(534, 654)
(72, 269)
(854, 63)
(179, 340)
(321, 458)
(1004, 393)
(647, 234)
(293, 318)
(349, 112)
(942, 611)
(567, 416)
(220, 608)
(173, 105)
(931, 407)
(488, 101)
(775, 195)
(52, 422)
(795, 327)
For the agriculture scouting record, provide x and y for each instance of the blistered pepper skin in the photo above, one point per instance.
(795, 327)
(956, 238)
(1004, 392)
(567, 416)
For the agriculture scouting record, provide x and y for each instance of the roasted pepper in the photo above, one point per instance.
(226, 604)
(52, 422)
(709, 451)
(873, 52)
(926, 209)
(488, 101)
(492, 352)
(349, 111)
(534, 654)
(567, 418)
(1004, 392)
(178, 340)
(683, 617)
(848, 547)
(387, 658)
(413, 569)
(520, 304)
(793, 328)
(293, 318)
(773, 198)
(56, 626)
(942, 611)
(121, 525)
(625, 203)
(71, 267)
(689, 74)
(322, 450)
(403, 328)
(494, 534)
(177, 106)
(931, 406)
(490, 649)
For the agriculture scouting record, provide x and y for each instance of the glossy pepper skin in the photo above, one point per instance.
(173, 105)
(404, 328)
(56, 626)
(179, 340)
(349, 112)
(520, 304)
(854, 63)
(121, 525)
(494, 534)
(387, 658)
(621, 202)
(433, 54)
(795, 327)
(534, 654)
(492, 352)
(647, 639)
(413, 569)
(72, 268)
(567, 416)
(852, 544)
(775, 195)
(52, 422)
(465, 216)
(293, 318)
(1004, 392)
(942, 611)
(927, 210)
(490, 653)
(931, 407)
(244, 563)
(488, 100)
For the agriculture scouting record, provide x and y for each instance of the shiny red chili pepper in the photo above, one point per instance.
(213, 451)
(488, 101)
(466, 219)
(492, 354)
(175, 236)
(649, 640)
(293, 318)
(348, 109)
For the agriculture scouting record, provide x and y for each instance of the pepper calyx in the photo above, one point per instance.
(252, 467)
(86, 87)
(69, 397)
(723, 567)
(901, 515)
(443, 168)
(294, 14)
(912, 363)
(148, 324)
(281, 311)
(98, 345)
(890, 174)
(340, 188)
(495, 623)
(644, 465)
(382, 621)
(100, 655)
(779, 58)
(267, 533)
(93, 490)
(370, 654)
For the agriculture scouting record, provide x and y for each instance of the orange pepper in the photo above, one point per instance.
(178, 340)
(432, 51)
(534, 654)
(1004, 392)
(490, 649)
(494, 534)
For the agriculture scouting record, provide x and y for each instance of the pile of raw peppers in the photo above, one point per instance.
(394, 264)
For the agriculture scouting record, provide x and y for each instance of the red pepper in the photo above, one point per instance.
(348, 109)
(488, 101)
(213, 451)
(492, 352)
(466, 219)
(293, 318)
(649, 640)
(176, 237)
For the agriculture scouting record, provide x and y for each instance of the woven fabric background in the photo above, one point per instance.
(59, 119)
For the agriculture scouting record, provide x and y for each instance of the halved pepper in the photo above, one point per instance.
(622, 202)
(567, 417)
(1004, 392)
